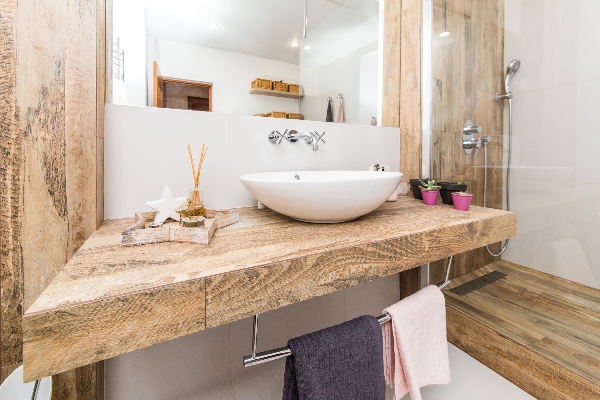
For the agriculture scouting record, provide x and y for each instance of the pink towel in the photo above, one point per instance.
(339, 116)
(415, 350)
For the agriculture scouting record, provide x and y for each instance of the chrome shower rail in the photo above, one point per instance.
(282, 352)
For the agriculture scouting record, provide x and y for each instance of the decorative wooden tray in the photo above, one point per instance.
(139, 233)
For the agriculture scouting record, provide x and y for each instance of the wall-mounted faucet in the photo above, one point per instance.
(469, 141)
(293, 136)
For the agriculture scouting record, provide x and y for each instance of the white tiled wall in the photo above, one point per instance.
(470, 380)
(145, 149)
(555, 187)
(190, 364)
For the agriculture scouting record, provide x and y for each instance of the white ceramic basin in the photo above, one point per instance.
(322, 196)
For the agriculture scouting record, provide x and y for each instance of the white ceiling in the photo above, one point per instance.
(263, 28)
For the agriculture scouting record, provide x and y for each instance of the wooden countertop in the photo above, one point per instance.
(539, 331)
(109, 300)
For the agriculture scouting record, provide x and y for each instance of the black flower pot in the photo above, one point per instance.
(448, 188)
(415, 185)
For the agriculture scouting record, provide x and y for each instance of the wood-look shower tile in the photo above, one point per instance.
(410, 84)
(391, 55)
(535, 329)
(462, 264)
(489, 39)
(437, 271)
(480, 258)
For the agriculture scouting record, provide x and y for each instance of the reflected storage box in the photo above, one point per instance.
(259, 83)
(292, 88)
(281, 86)
(276, 114)
(294, 116)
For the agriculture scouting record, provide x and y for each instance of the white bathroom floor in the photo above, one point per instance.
(262, 382)
(471, 380)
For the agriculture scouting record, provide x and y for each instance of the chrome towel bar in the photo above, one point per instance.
(282, 352)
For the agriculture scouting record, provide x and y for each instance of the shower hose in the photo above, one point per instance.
(485, 176)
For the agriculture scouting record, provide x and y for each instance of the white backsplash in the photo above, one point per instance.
(145, 150)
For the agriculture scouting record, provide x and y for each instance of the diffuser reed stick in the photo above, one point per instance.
(195, 198)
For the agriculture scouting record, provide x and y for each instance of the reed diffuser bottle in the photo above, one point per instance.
(196, 203)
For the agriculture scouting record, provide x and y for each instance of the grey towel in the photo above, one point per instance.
(329, 117)
(341, 362)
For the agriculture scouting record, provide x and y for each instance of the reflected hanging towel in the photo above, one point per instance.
(414, 342)
(339, 116)
(329, 117)
(341, 362)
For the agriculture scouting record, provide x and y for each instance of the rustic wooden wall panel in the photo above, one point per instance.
(80, 122)
(402, 79)
(102, 68)
(410, 111)
(49, 173)
(11, 156)
(402, 95)
(83, 104)
(41, 99)
(467, 71)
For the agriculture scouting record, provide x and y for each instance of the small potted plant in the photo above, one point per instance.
(462, 200)
(450, 187)
(430, 192)
(415, 185)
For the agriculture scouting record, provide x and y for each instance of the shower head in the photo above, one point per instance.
(513, 67)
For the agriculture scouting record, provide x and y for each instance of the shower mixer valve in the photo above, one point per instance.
(470, 142)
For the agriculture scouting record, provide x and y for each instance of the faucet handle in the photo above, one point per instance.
(316, 139)
(286, 134)
(275, 137)
(319, 138)
(469, 128)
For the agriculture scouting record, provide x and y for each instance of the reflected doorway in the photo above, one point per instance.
(180, 93)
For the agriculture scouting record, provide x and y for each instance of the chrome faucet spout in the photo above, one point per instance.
(293, 136)
(309, 138)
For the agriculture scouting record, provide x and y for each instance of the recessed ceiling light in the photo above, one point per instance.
(444, 34)
(212, 24)
(306, 47)
(294, 44)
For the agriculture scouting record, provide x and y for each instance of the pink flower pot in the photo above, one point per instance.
(461, 202)
(430, 197)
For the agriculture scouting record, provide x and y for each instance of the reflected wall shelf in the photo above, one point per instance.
(276, 93)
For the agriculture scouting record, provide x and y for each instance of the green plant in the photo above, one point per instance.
(462, 193)
(430, 186)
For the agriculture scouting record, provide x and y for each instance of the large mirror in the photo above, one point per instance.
(299, 59)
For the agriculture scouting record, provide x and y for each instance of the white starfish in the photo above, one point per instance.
(166, 206)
